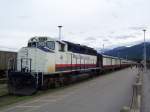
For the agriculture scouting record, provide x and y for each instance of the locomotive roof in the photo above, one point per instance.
(77, 48)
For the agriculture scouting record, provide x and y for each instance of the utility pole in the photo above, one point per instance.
(59, 32)
(118, 54)
(103, 48)
(144, 51)
(126, 57)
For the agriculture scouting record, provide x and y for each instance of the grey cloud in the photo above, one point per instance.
(127, 36)
(90, 39)
(123, 36)
(98, 21)
(115, 15)
(23, 17)
(138, 27)
(81, 32)
(105, 40)
(100, 36)
(71, 33)
(5, 48)
(112, 32)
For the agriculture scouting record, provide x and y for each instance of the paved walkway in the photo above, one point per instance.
(107, 93)
(146, 92)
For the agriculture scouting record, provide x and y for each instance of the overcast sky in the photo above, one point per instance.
(89, 22)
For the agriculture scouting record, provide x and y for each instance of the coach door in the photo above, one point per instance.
(99, 61)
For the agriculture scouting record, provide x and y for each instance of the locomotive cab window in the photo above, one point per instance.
(32, 44)
(61, 47)
(50, 44)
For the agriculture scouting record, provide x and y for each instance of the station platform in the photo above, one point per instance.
(146, 92)
(106, 93)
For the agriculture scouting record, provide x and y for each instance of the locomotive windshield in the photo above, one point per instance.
(41, 44)
(48, 44)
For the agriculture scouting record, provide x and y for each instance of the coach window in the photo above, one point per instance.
(61, 47)
(50, 45)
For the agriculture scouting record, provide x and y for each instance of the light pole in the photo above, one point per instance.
(144, 51)
(126, 57)
(118, 54)
(59, 32)
(103, 48)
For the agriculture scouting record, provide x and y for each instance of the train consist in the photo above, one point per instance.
(47, 62)
(7, 58)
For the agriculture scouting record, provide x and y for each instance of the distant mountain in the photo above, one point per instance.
(134, 52)
(120, 48)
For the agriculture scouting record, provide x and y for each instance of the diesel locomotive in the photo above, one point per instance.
(48, 62)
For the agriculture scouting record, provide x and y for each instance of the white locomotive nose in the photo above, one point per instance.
(31, 59)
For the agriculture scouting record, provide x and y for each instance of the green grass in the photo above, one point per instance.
(3, 80)
(3, 89)
(7, 100)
